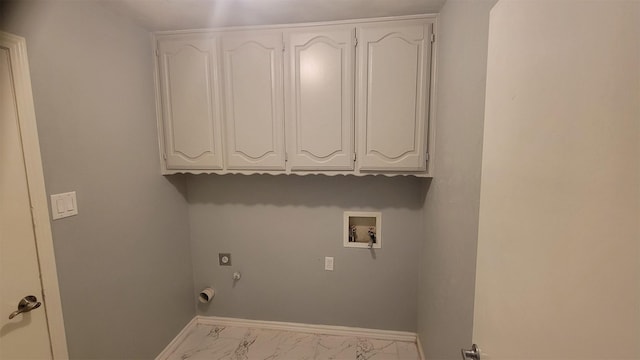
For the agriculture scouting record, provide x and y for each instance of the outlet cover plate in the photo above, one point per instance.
(328, 263)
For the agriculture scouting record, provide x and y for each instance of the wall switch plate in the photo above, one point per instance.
(224, 259)
(63, 205)
(328, 263)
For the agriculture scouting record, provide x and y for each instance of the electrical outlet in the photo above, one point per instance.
(328, 263)
(224, 259)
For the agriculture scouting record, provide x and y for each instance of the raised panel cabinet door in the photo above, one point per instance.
(254, 100)
(393, 78)
(191, 105)
(320, 94)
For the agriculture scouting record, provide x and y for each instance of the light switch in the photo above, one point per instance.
(60, 206)
(69, 203)
(63, 205)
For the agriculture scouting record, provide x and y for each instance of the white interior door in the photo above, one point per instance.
(558, 269)
(24, 222)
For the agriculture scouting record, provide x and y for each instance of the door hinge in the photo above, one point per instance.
(157, 52)
(433, 38)
(286, 156)
(356, 42)
(355, 156)
(164, 156)
(427, 157)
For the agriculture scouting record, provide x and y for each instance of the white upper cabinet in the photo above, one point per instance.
(348, 97)
(320, 87)
(393, 95)
(254, 100)
(190, 102)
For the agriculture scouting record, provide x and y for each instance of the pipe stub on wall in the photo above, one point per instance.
(206, 295)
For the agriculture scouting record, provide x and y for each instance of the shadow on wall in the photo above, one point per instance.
(402, 192)
(179, 182)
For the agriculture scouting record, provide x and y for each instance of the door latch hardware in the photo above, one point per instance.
(25, 305)
(473, 354)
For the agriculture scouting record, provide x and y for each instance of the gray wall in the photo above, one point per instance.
(280, 228)
(123, 263)
(92, 81)
(448, 255)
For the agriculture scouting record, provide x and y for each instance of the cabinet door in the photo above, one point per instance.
(393, 75)
(320, 66)
(191, 107)
(254, 112)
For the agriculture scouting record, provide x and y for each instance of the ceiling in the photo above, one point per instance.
(192, 14)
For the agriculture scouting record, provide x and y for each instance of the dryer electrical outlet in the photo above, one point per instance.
(224, 259)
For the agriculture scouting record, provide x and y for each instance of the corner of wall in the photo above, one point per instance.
(451, 205)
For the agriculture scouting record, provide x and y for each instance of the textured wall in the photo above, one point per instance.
(559, 235)
(448, 254)
(123, 263)
(280, 228)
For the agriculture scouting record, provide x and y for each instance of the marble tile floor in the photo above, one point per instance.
(240, 343)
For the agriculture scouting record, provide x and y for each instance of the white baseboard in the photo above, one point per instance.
(420, 349)
(310, 328)
(286, 326)
(173, 345)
